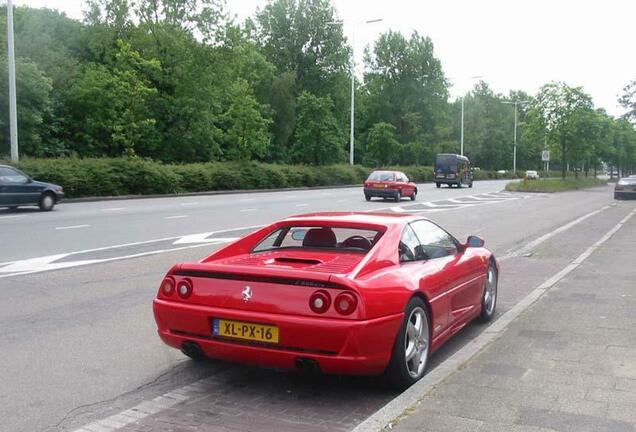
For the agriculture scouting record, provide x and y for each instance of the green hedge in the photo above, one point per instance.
(133, 176)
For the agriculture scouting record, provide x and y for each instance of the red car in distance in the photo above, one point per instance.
(389, 184)
(343, 293)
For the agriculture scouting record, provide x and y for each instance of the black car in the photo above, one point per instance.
(625, 188)
(453, 169)
(18, 189)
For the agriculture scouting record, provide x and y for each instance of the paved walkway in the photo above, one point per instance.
(568, 363)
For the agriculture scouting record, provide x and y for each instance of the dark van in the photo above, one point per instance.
(453, 169)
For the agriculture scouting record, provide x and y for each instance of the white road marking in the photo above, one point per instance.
(247, 210)
(247, 199)
(389, 414)
(177, 217)
(341, 201)
(289, 196)
(302, 205)
(47, 263)
(115, 209)
(189, 204)
(536, 242)
(72, 227)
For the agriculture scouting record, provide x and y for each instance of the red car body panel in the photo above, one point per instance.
(282, 282)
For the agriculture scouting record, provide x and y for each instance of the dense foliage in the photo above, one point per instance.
(179, 81)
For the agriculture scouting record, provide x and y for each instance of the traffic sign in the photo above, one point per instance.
(545, 156)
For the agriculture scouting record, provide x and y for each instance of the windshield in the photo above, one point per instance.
(319, 237)
(382, 176)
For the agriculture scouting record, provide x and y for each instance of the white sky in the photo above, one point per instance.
(512, 44)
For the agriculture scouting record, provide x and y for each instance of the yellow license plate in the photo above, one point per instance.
(245, 330)
(379, 185)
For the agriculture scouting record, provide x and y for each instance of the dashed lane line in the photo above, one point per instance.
(72, 227)
(177, 217)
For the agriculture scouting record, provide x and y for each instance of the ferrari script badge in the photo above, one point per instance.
(247, 294)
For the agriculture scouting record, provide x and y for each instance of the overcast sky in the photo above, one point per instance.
(512, 44)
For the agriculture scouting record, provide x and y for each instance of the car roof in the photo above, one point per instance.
(375, 218)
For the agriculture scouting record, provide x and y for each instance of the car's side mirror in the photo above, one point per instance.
(474, 241)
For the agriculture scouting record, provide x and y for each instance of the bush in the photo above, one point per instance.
(136, 176)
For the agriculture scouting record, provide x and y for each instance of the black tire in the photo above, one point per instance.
(367, 197)
(398, 373)
(438, 185)
(470, 185)
(414, 195)
(488, 309)
(398, 196)
(13, 208)
(47, 201)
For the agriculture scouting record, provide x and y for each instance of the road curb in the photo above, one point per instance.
(187, 194)
(407, 402)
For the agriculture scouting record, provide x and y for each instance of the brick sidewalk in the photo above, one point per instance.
(566, 364)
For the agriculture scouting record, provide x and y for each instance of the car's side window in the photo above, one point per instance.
(7, 175)
(435, 241)
(410, 248)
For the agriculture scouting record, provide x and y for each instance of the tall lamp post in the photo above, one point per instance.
(353, 79)
(13, 113)
(514, 151)
(461, 149)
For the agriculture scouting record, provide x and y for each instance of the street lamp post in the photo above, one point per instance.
(13, 113)
(514, 149)
(353, 80)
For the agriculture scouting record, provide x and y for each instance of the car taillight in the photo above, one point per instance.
(167, 286)
(184, 288)
(345, 303)
(320, 301)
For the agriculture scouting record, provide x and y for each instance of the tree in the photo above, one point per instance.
(628, 101)
(382, 146)
(247, 135)
(34, 106)
(562, 108)
(111, 107)
(406, 83)
(317, 136)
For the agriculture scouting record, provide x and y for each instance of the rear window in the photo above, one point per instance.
(382, 176)
(627, 181)
(446, 161)
(319, 237)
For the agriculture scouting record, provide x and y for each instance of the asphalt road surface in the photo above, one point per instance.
(76, 327)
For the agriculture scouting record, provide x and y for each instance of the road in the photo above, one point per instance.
(78, 336)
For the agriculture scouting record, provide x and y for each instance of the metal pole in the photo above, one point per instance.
(13, 113)
(353, 88)
(461, 150)
(514, 153)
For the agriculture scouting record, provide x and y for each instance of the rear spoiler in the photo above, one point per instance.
(259, 274)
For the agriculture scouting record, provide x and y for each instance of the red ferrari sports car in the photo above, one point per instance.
(344, 293)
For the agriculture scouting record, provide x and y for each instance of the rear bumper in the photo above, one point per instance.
(339, 346)
(384, 193)
(446, 180)
(625, 194)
